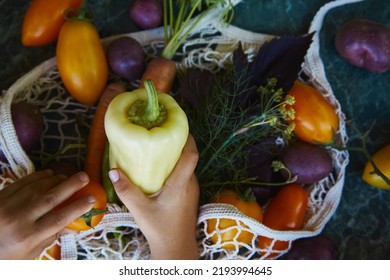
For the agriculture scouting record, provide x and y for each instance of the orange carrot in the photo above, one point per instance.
(97, 138)
(162, 72)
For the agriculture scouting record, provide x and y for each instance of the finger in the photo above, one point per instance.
(26, 198)
(60, 193)
(127, 192)
(186, 165)
(55, 221)
(27, 180)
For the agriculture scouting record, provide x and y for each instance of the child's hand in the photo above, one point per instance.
(27, 223)
(167, 219)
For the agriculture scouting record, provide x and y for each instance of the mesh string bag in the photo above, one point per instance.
(67, 123)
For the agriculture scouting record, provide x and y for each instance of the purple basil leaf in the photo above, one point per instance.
(281, 58)
(194, 86)
(240, 59)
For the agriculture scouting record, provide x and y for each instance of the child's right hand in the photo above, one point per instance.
(27, 223)
(168, 219)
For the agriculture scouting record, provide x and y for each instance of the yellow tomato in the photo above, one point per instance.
(81, 60)
(315, 119)
(227, 228)
(382, 160)
(54, 252)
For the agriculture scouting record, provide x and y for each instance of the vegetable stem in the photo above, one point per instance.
(176, 28)
(152, 111)
(363, 149)
(148, 113)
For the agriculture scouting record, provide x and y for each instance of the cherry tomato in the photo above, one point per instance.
(315, 119)
(81, 60)
(286, 211)
(43, 20)
(95, 189)
(381, 158)
(250, 208)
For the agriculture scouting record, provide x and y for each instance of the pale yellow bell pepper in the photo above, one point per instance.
(146, 131)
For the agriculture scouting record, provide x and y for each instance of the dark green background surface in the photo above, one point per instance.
(361, 225)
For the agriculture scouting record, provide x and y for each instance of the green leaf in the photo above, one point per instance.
(87, 217)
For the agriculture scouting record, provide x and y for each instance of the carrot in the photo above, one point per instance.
(177, 27)
(162, 72)
(97, 138)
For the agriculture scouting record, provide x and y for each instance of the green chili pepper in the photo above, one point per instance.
(107, 184)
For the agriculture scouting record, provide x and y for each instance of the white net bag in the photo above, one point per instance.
(67, 122)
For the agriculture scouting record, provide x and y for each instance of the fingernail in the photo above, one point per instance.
(114, 175)
(91, 199)
(83, 177)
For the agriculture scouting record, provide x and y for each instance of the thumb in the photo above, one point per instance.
(127, 192)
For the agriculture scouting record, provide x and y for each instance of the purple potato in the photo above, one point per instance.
(28, 122)
(365, 43)
(309, 162)
(146, 14)
(126, 58)
(312, 248)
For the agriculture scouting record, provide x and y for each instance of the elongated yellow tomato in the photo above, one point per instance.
(315, 119)
(81, 60)
(228, 228)
(382, 160)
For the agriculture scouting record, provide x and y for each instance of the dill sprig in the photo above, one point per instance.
(225, 130)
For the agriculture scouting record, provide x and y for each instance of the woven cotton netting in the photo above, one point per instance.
(67, 123)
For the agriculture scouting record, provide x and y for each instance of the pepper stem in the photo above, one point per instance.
(148, 113)
(152, 110)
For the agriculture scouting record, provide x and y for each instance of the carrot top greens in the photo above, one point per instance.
(178, 16)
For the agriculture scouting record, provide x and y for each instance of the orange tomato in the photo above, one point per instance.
(227, 226)
(286, 211)
(381, 158)
(54, 252)
(43, 20)
(315, 119)
(95, 189)
(81, 60)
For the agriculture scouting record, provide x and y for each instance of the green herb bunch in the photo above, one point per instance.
(225, 130)
(234, 112)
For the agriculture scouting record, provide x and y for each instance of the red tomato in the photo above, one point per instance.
(95, 189)
(43, 20)
(315, 119)
(249, 208)
(81, 60)
(286, 211)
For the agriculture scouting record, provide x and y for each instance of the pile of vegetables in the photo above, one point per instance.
(262, 132)
(262, 135)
